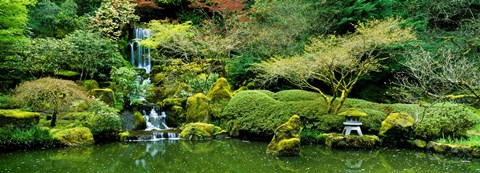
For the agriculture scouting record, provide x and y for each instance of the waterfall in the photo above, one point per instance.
(140, 56)
(156, 122)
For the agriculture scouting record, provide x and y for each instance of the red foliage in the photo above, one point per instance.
(223, 6)
(145, 3)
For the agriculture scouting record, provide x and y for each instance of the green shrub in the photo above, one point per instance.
(296, 95)
(49, 95)
(12, 138)
(103, 121)
(445, 120)
(73, 136)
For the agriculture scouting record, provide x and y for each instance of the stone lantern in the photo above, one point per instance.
(352, 121)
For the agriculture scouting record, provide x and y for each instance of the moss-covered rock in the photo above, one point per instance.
(336, 140)
(90, 84)
(200, 131)
(286, 141)
(397, 128)
(139, 121)
(106, 95)
(18, 118)
(419, 143)
(220, 90)
(198, 108)
(219, 96)
(73, 136)
(124, 135)
(452, 149)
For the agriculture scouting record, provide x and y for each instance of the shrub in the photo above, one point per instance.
(49, 95)
(112, 17)
(103, 121)
(445, 120)
(12, 138)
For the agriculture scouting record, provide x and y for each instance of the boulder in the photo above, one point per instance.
(18, 118)
(200, 131)
(397, 128)
(106, 95)
(198, 109)
(286, 141)
(336, 140)
(139, 121)
(90, 84)
(219, 96)
(220, 90)
(77, 136)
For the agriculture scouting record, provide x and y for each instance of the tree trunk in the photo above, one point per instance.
(54, 119)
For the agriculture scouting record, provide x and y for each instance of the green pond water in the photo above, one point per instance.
(228, 155)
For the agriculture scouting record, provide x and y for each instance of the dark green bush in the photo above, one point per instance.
(103, 121)
(445, 120)
(12, 138)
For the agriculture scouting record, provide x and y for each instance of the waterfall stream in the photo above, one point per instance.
(140, 57)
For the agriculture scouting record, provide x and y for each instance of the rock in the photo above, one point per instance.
(286, 141)
(198, 109)
(90, 84)
(200, 131)
(18, 118)
(77, 136)
(106, 95)
(139, 121)
(220, 90)
(419, 143)
(397, 128)
(336, 140)
(219, 96)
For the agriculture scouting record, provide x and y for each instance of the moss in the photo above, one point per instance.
(419, 143)
(67, 74)
(295, 95)
(90, 84)
(286, 141)
(18, 118)
(74, 136)
(352, 112)
(159, 77)
(220, 90)
(336, 140)
(124, 135)
(106, 95)
(200, 131)
(139, 121)
(397, 128)
(198, 108)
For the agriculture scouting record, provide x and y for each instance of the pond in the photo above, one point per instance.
(228, 155)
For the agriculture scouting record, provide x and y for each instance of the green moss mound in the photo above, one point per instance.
(106, 95)
(18, 118)
(139, 121)
(198, 108)
(73, 136)
(336, 140)
(220, 90)
(397, 128)
(295, 95)
(286, 141)
(90, 84)
(200, 131)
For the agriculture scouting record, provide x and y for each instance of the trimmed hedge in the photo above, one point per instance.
(259, 112)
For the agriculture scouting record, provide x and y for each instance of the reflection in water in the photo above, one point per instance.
(225, 156)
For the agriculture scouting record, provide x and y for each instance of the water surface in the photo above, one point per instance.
(226, 156)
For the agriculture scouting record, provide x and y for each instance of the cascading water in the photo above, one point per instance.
(156, 122)
(140, 56)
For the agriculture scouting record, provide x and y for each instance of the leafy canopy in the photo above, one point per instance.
(339, 61)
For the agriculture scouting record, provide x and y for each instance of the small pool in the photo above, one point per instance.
(228, 155)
